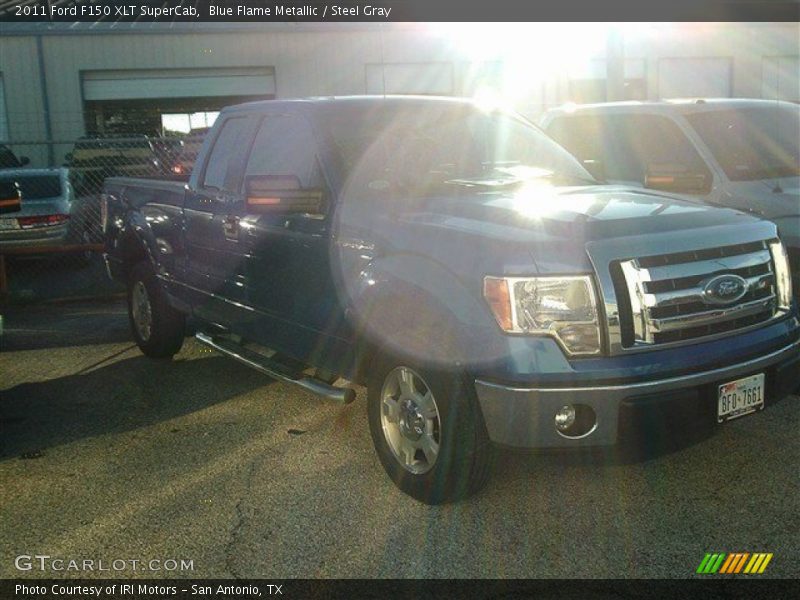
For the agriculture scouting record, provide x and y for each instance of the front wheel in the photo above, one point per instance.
(157, 327)
(428, 431)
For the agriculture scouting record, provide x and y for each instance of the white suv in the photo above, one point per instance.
(738, 153)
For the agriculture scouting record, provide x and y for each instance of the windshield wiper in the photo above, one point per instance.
(564, 177)
(511, 182)
(493, 183)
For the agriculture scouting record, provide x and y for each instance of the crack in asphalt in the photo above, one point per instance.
(230, 565)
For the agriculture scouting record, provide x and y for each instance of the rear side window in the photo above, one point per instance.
(752, 143)
(627, 144)
(224, 163)
(285, 145)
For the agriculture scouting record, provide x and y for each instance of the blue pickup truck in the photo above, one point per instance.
(463, 267)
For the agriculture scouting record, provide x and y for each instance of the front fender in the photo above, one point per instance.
(789, 230)
(422, 294)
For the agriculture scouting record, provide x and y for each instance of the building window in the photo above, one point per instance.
(188, 122)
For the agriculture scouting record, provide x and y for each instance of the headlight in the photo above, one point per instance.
(562, 307)
(783, 277)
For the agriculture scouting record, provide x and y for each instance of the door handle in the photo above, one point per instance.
(230, 226)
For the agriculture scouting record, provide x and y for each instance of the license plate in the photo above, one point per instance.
(9, 224)
(741, 397)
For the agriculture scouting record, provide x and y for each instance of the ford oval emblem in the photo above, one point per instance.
(724, 289)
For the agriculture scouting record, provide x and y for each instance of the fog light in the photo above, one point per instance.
(575, 421)
(565, 417)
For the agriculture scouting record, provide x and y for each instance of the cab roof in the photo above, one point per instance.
(348, 103)
(680, 106)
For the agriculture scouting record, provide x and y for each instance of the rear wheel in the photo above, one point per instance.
(157, 327)
(428, 430)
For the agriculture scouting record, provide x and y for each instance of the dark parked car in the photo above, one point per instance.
(467, 270)
(9, 160)
(93, 159)
(183, 163)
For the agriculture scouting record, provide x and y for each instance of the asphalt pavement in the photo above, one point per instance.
(106, 455)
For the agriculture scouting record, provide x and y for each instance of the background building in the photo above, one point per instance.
(60, 82)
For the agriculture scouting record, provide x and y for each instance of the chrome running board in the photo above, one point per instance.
(275, 370)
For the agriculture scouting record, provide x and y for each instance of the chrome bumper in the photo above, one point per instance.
(524, 417)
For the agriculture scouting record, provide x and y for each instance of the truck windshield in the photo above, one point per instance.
(752, 143)
(417, 153)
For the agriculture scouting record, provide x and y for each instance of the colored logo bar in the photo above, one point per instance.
(734, 563)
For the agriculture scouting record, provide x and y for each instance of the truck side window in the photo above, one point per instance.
(227, 153)
(627, 144)
(285, 145)
(582, 136)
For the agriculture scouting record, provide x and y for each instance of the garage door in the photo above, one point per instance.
(177, 83)
(694, 77)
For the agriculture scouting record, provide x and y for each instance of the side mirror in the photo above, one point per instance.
(675, 178)
(10, 197)
(281, 194)
(24, 160)
(596, 168)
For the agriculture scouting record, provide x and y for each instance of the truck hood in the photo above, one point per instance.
(586, 213)
(761, 198)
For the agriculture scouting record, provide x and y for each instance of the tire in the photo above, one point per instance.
(403, 422)
(157, 327)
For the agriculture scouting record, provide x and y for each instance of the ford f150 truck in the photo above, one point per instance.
(466, 269)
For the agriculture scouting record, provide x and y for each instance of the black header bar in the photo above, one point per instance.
(393, 11)
(407, 589)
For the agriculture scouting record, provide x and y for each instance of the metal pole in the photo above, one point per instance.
(3, 277)
(615, 65)
(48, 127)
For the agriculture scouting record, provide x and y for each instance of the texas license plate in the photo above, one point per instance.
(8, 224)
(740, 397)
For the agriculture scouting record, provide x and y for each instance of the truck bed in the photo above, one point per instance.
(165, 185)
(137, 192)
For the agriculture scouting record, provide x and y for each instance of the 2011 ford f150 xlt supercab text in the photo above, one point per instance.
(466, 269)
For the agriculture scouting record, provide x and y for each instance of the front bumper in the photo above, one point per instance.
(524, 417)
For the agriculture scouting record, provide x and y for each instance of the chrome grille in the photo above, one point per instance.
(666, 296)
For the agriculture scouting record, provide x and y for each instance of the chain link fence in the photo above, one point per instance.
(51, 240)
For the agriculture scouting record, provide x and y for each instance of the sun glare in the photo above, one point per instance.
(513, 58)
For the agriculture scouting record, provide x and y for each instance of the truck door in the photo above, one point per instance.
(285, 254)
(211, 269)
